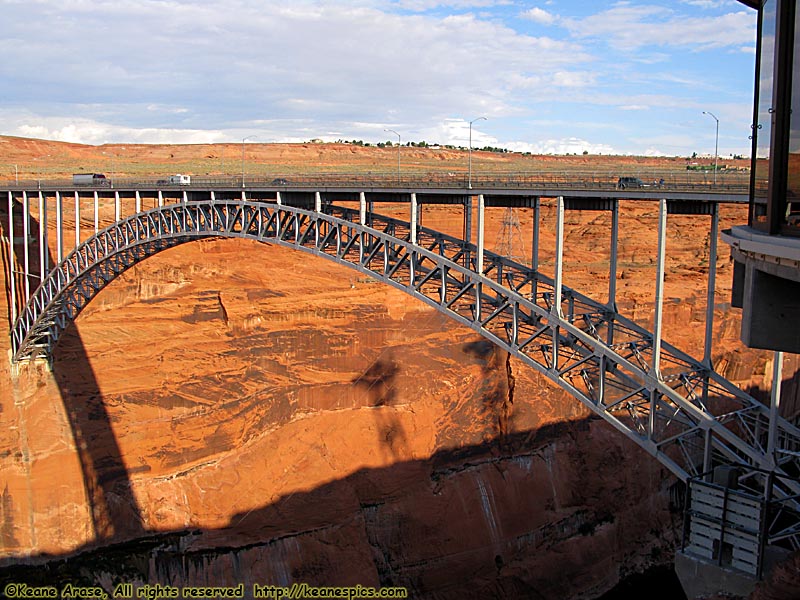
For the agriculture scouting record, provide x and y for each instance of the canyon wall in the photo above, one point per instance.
(254, 414)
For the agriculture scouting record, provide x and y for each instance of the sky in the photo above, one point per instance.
(549, 76)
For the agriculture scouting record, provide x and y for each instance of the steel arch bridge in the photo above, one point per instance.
(683, 414)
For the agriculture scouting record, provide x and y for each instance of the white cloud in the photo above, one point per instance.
(87, 131)
(178, 70)
(631, 27)
(571, 145)
(706, 3)
(539, 15)
(425, 5)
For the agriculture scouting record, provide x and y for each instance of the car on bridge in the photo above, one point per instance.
(279, 181)
(630, 182)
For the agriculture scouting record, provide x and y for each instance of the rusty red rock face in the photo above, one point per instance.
(276, 418)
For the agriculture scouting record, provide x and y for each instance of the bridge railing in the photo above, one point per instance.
(725, 181)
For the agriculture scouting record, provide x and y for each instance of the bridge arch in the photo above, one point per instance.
(685, 416)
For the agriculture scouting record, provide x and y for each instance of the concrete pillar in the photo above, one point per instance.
(117, 207)
(317, 202)
(278, 199)
(138, 202)
(362, 208)
(160, 198)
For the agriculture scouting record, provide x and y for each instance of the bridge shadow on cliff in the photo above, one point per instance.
(107, 486)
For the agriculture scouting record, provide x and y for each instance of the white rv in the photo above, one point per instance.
(180, 180)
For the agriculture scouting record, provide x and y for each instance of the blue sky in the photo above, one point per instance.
(550, 76)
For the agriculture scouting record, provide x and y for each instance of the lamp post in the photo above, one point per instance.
(716, 143)
(249, 137)
(16, 175)
(469, 177)
(398, 153)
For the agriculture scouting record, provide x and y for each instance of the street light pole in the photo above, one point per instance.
(16, 175)
(249, 137)
(716, 144)
(398, 153)
(469, 177)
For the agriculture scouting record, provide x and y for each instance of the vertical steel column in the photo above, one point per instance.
(467, 233)
(244, 196)
(139, 202)
(535, 236)
(708, 452)
(96, 213)
(612, 272)
(77, 219)
(655, 370)
(712, 280)
(479, 218)
(612, 267)
(160, 198)
(559, 258)
(12, 258)
(555, 309)
(479, 243)
(775, 404)
(370, 210)
(213, 197)
(412, 259)
(117, 207)
(413, 218)
(26, 234)
(317, 209)
(59, 228)
(659, 307)
(278, 199)
(535, 248)
(185, 197)
(43, 249)
(362, 219)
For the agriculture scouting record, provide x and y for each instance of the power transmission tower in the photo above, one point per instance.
(509, 240)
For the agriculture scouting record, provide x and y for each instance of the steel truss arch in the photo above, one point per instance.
(685, 416)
